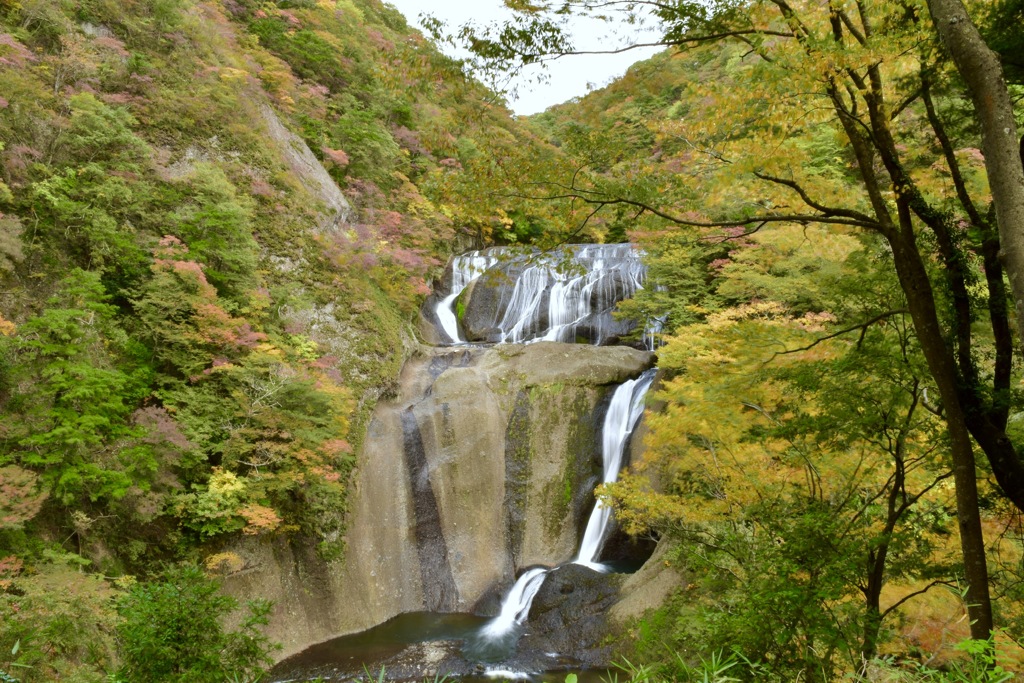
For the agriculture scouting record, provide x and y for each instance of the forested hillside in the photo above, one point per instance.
(218, 220)
(196, 322)
(834, 462)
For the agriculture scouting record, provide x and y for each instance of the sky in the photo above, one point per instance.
(569, 76)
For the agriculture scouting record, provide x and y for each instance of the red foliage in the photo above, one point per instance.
(378, 40)
(259, 519)
(118, 98)
(409, 140)
(20, 499)
(10, 567)
(335, 447)
(112, 44)
(17, 160)
(13, 53)
(216, 326)
(261, 188)
(337, 157)
(290, 18)
(162, 428)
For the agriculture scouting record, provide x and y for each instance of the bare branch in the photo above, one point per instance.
(860, 326)
(582, 195)
(909, 596)
(825, 210)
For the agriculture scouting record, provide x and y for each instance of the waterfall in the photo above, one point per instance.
(516, 606)
(550, 299)
(465, 269)
(624, 411)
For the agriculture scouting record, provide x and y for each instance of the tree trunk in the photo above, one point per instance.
(983, 73)
(920, 300)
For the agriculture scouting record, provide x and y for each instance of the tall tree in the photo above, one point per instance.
(870, 73)
(982, 71)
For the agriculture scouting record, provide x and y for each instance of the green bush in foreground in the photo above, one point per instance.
(172, 631)
(979, 665)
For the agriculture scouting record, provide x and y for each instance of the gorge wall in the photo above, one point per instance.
(482, 465)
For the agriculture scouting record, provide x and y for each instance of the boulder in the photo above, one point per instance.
(569, 619)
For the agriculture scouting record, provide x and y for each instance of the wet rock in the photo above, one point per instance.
(626, 553)
(569, 617)
(426, 661)
(574, 292)
(414, 662)
(503, 437)
(483, 303)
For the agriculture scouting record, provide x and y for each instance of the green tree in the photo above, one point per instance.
(868, 74)
(74, 389)
(172, 631)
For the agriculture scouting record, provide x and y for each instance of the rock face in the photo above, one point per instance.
(335, 208)
(567, 295)
(569, 618)
(480, 467)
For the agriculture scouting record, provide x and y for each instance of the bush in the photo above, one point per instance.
(56, 621)
(172, 631)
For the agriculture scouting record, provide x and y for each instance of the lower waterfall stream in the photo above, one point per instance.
(446, 639)
(624, 411)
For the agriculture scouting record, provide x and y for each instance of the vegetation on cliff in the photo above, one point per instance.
(194, 323)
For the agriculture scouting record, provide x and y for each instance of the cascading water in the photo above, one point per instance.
(465, 269)
(469, 424)
(624, 411)
(555, 295)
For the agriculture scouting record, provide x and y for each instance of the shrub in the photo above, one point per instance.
(172, 631)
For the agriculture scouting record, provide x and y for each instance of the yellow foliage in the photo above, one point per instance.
(224, 483)
(224, 563)
(230, 74)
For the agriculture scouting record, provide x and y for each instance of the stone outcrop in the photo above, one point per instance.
(569, 618)
(483, 465)
(647, 589)
(503, 294)
(314, 177)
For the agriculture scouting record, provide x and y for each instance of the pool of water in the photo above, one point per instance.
(415, 647)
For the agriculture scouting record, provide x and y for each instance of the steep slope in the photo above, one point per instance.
(217, 221)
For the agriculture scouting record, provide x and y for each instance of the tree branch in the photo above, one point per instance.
(825, 210)
(910, 596)
(860, 326)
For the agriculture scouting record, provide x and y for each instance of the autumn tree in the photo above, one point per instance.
(837, 114)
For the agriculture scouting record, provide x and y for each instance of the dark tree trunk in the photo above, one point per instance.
(981, 70)
(921, 302)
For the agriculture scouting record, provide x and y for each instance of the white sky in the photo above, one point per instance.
(569, 76)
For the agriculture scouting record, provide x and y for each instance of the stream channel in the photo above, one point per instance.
(487, 298)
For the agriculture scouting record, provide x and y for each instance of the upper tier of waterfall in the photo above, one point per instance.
(503, 294)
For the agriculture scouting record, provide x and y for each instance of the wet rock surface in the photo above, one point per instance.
(566, 295)
(569, 618)
(567, 630)
(498, 436)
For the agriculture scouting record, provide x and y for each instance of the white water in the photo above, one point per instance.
(548, 302)
(624, 411)
(465, 269)
(516, 606)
